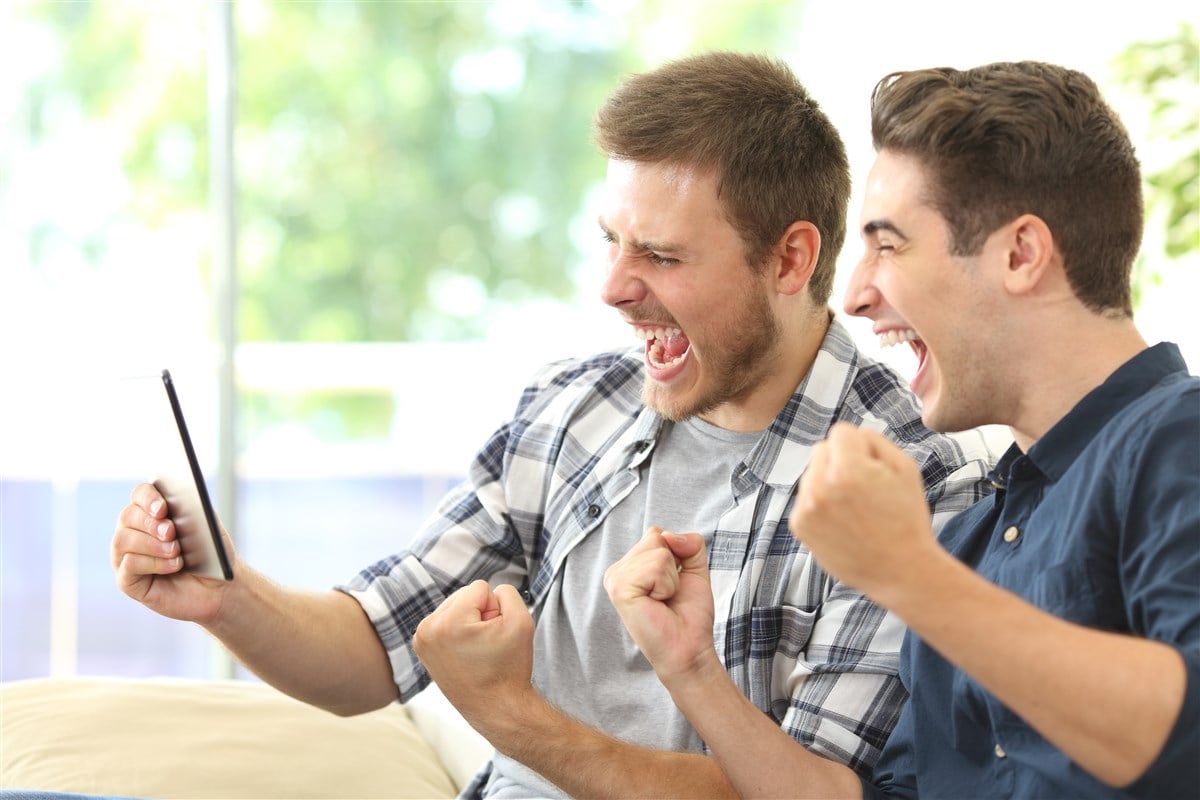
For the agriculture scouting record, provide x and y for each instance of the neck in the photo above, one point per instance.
(1063, 363)
(766, 396)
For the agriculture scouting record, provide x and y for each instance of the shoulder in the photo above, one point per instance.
(607, 367)
(1150, 396)
(1156, 437)
(612, 379)
(1164, 419)
(1173, 401)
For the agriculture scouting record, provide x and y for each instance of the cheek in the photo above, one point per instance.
(907, 284)
(890, 287)
(689, 303)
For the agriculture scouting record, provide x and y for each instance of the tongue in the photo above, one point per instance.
(676, 345)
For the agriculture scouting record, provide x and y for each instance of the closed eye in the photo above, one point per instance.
(652, 256)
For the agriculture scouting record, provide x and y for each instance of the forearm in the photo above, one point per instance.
(1086, 691)
(478, 646)
(756, 755)
(318, 647)
(584, 762)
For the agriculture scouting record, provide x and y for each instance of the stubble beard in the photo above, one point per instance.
(730, 370)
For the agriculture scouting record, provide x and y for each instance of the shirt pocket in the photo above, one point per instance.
(1065, 590)
(776, 659)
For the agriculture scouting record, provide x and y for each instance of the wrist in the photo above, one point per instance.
(697, 680)
(511, 717)
(239, 593)
(906, 592)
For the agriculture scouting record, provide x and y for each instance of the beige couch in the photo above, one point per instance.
(176, 738)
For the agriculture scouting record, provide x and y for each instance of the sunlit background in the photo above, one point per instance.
(410, 215)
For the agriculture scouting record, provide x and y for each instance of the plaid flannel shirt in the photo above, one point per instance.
(816, 655)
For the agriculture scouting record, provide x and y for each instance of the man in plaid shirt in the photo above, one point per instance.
(725, 209)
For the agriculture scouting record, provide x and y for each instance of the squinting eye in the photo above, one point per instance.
(608, 237)
(657, 259)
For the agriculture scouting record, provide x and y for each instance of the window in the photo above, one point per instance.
(413, 184)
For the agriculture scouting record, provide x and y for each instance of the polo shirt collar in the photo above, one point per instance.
(1058, 449)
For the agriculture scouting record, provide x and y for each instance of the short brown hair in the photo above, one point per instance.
(777, 157)
(1007, 139)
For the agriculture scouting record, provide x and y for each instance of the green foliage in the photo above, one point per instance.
(1167, 74)
(374, 173)
(403, 168)
(329, 416)
(373, 165)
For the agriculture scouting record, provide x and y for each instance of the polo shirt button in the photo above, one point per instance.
(1011, 534)
(593, 511)
(1000, 751)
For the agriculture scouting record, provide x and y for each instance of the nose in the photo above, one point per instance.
(862, 298)
(622, 286)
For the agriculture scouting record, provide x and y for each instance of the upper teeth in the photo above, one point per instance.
(647, 334)
(896, 337)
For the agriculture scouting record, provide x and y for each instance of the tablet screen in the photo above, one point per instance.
(176, 473)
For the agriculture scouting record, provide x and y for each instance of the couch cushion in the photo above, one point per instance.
(176, 738)
(463, 750)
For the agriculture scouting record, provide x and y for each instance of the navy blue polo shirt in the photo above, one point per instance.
(1098, 524)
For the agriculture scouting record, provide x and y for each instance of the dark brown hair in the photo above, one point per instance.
(777, 157)
(1007, 139)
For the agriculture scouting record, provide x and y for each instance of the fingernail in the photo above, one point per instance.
(175, 563)
(156, 506)
(162, 529)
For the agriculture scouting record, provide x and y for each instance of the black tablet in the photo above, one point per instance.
(177, 476)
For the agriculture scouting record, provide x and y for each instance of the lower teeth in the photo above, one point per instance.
(657, 351)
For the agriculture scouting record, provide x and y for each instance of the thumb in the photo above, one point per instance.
(689, 549)
(473, 602)
(508, 601)
(491, 607)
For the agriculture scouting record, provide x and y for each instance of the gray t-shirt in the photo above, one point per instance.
(585, 663)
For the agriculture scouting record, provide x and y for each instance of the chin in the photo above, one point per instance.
(948, 420)
(673, 409)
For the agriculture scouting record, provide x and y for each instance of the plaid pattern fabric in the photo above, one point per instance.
(817, 656)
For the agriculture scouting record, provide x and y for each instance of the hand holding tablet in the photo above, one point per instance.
(178, 478)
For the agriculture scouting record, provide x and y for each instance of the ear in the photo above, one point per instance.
(795, 257)
(1031, 254)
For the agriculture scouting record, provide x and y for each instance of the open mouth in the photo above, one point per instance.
(665, 347)
(907, 335)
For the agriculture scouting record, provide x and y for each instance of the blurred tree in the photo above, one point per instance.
(401, 163)
(1167, 74)
(405, 170)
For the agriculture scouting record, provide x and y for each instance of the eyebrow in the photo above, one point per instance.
(877, 225)
(657, 247)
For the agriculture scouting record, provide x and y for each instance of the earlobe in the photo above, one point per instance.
(797, 253)
(1030, 253)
